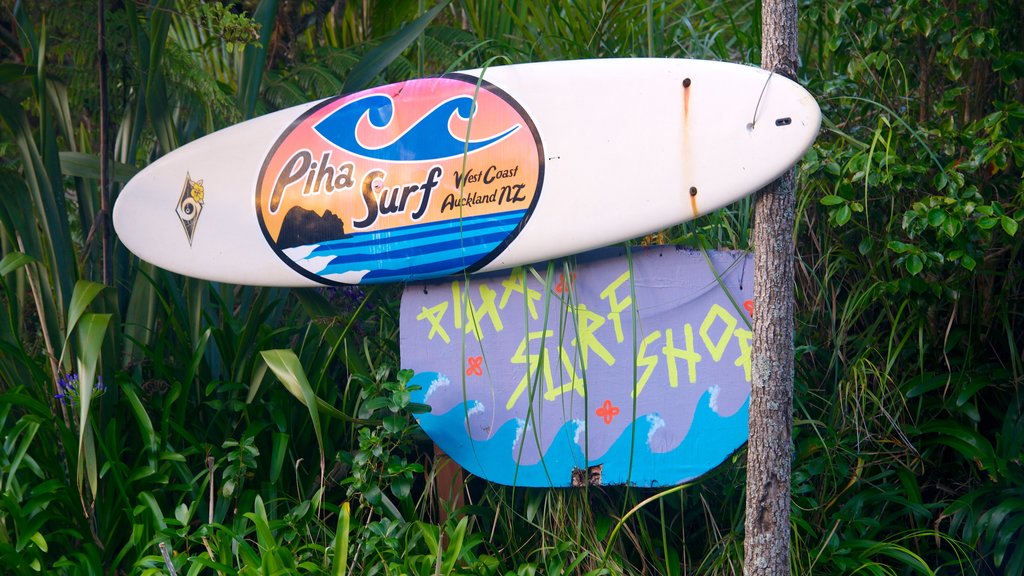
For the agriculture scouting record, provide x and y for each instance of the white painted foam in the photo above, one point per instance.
(581, 430)
(657, 423)
(315, 264)
(300, 252)
(713, 401)
(350, 277)
(440, 382)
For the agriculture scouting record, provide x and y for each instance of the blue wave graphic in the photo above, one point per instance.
(710, 440)
(429, 139)
(414, 252)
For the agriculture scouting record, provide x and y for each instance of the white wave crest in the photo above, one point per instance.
(440, 382)
(713, 401)
(521, 429)
(581, 430)
(657, 423)
(478, 407)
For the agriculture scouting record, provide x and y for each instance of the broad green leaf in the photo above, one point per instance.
(142, 417)
(14, 260)
(150, 503)
(314, 303)
(82, 165)
(286, 366)
(429, 534)
(455, 547)
(832, 200)
(1009, 225)
(91, 331)
(181, 514)
(379, 58)
(254, 58)
(40, 541)
(277, 454)
(339, 566)
(898, 247)
(29, 430)
(268, 545)
(951, 227)
(936, 216)
(1010, 531)
(85, 292)
(843, 214)
(914, 264)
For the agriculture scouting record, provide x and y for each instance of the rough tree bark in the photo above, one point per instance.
(766, 543)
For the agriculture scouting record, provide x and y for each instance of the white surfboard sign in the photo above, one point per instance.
(466, 172)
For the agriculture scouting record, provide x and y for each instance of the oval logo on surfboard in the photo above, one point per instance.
(415, 180)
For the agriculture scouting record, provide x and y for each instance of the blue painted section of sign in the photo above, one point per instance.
(630, 370)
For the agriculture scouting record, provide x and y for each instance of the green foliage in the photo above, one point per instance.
(250, 431)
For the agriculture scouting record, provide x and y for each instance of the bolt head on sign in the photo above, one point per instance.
(604, 369)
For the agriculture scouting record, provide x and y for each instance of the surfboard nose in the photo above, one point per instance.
(186, 211)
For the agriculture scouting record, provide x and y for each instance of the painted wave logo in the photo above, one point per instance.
(417, 180)
(429, 139)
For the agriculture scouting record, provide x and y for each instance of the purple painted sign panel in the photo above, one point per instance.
(610, 368)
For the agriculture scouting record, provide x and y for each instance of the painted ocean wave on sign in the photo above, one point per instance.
(500, 456)
(409, 253)
(430, 138)
(653, 348)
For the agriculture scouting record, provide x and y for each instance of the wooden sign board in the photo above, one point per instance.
(611, 368)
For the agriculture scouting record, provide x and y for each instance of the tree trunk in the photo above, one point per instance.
(766, 543)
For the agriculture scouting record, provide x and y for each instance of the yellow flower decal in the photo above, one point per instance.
(197, 191)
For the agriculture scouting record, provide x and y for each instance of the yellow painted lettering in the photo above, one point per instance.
(717, 348)
(457, 300)
(532, 362)
(516, 283)
(688, 354)
(743, 337)
(615, 305)
(586, 339)
(574, 383)
(648, 363)
(488, 309)
(434, 315)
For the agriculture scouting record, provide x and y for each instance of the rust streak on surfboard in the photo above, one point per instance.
(687, 159)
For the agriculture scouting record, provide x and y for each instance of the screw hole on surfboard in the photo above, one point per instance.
(693, 190)
(784, 121)
(686, 83)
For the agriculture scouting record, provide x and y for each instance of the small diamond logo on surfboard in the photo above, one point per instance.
(190, 205)
(413, 180)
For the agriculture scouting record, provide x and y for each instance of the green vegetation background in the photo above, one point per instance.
(266, 431)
